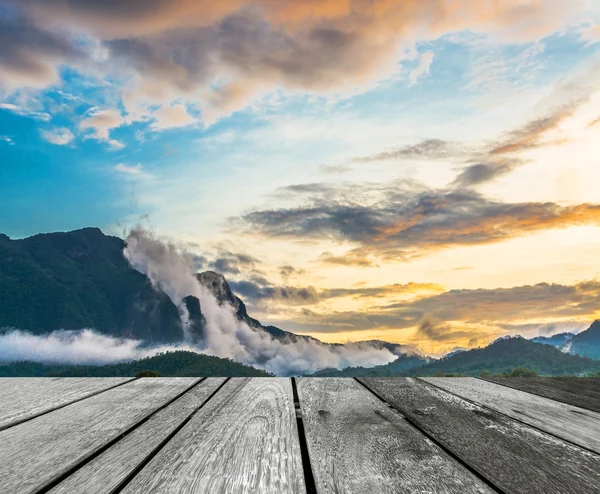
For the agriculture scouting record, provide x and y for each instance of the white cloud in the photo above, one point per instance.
(76, 347)
(168, 117)
(8, 140)
(423, 67)
(60, 136)
(39, 115)
(115, 145)
(129, 169)
(101, 122)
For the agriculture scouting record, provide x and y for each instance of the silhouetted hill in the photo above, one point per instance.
(170, 364)
(396, 368)
(586, 343)
(505, 354)
(80, 279)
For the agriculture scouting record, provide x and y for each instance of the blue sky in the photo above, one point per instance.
(274, 131)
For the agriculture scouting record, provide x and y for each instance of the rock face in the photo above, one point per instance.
(197, 319)
(217, 285)
(80, 279)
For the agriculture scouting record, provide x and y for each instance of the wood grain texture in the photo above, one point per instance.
(244, 440)
(357, 444)
(574, 424)
(513, 456)
(577, 391)
(23, 397)
(106, 471)
(35, 452)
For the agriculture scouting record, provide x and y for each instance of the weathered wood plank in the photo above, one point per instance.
(357, 444)
(35, 452)
(583, 392)
(244, 440)
(105, 472)
(513, 456)
(574, 424)
(22, 398)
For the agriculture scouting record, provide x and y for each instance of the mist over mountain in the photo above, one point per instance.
(80, 279)
(556, 340)
(83, 297)
(586, 343)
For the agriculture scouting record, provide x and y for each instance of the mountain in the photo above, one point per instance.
(81, 279)
(505, 354)
(170, 364)
(217, 285)
(586, 343)
(556, 340)
(396, 368)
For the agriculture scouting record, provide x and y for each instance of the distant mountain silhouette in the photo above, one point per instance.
(396, 368)
(556, 340)
(507, 353)
(586, 343)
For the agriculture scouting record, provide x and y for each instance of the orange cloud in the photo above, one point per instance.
(309, 45)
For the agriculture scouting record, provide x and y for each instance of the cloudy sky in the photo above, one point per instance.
(425, 172)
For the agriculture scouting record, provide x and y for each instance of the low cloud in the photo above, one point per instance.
(257, 290)
(75, 347)
(442, 316)
(171, 268)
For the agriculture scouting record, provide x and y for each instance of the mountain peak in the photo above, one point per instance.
(217, 285)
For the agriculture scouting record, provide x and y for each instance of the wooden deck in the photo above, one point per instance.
(305, 435)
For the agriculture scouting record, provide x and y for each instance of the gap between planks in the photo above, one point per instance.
(449, 452)
(58, 407)
(58, 479)
(164, 442)
(495, 410)
(309, 479)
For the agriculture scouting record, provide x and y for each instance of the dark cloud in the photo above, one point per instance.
(479, 173)
(437, 331)
(258, 289)
(288, 271)
(232, 263)
(29, 55)
(405, 223)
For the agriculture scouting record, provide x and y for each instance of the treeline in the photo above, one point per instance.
(169, 364)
